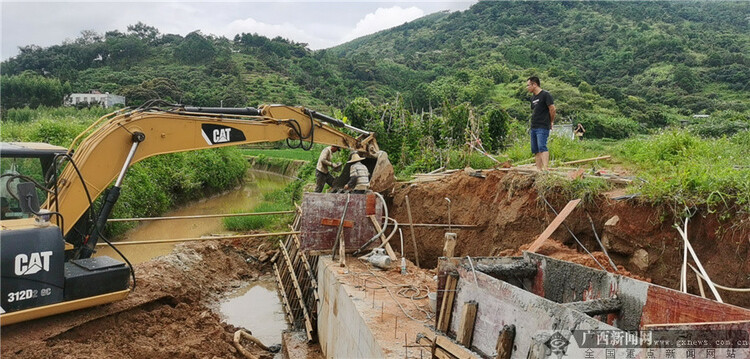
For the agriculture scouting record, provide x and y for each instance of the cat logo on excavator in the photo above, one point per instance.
(32, 263)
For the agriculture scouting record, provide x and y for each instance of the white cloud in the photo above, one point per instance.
(285, 30)
(381, 19)
(319, 23)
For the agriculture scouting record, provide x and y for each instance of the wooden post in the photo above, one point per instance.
(447, 306)
(553, 226)
(504, 346)
(411, 227)
(586, 160)
(466, 326)
(449, 246)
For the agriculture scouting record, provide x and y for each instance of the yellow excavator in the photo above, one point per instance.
(46, 250)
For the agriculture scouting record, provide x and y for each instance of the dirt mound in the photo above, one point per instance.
(168, 315)
(640, 238)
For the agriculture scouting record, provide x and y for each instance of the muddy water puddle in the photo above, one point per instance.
(242, 199)
(256, 308)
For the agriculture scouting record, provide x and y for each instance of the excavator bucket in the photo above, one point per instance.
(381, 173)
(382, 177)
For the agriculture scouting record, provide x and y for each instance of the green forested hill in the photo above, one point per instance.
(689, 57)
(639, 64)
(430, 86)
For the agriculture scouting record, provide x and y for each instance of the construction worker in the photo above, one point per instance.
(322, 170)
(359, 175)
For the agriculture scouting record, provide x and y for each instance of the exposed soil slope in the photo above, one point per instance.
(641, 239)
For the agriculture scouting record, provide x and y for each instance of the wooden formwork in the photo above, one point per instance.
(295, 277)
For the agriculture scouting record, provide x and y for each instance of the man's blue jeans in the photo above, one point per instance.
(539, 138)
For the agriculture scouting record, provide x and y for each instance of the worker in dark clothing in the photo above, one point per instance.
(542, 120)
(359, 175)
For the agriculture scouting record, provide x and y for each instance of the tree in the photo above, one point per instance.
(360, 113)
(498, 121)
(685, 78)
(144, 32)
(195, 49)
(31, 90)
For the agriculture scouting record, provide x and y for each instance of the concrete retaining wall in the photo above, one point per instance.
(342, 332)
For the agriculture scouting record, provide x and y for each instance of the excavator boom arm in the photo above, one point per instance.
(104, 155)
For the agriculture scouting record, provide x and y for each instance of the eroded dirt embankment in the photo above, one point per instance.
(642, 239)
(168, 315)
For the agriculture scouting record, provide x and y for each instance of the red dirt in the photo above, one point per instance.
(167, 316)
(512, 215)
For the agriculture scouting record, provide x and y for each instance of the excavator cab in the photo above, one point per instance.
(32, 249)
(23, 162)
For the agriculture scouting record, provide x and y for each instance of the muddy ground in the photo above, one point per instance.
(643, 240)
(168, 315)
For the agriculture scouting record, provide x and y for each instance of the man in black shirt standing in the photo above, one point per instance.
(542, 119)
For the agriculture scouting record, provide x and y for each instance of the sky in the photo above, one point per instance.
(316, 23)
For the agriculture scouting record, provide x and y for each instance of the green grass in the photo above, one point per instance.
(267, 222)
(674, 168)
(279, 200)
(684, 170)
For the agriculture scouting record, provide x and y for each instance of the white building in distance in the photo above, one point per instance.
(95, 97)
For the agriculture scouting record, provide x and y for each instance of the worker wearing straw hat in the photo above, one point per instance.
(359, 176)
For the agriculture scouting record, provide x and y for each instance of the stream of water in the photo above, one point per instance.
(255, 306)
(242, 199)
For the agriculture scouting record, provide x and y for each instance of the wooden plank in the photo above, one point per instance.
(422, 339)
(587, 160)
(504, 346)
(553, 226)
(453, 348)
(447, 305)
(441, 353)
(284, 278)
(466, 326)
(335, 222)
(303, 258)
(307, 267)
(441, 311)
(686, 308)
(287, 308)
(411, 226)
(308, 322)
(388, 247)
(449, 247)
